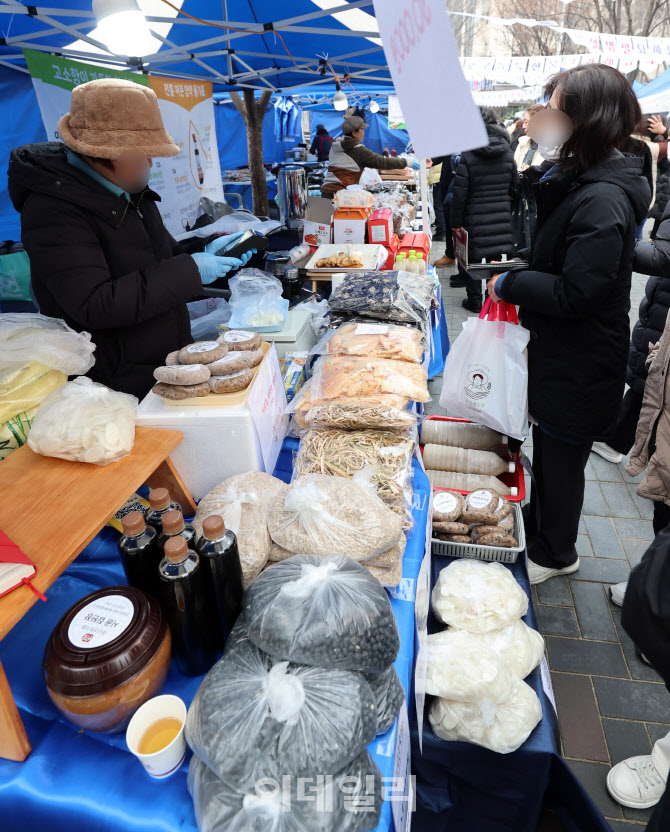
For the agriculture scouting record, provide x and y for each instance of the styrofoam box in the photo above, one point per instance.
(218, 441)
(296, 336)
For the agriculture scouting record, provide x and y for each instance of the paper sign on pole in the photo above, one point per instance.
(187, 109)
(420, 48)
(461, 247)
(396, 118)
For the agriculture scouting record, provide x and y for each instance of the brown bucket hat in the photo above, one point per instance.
(109, 117)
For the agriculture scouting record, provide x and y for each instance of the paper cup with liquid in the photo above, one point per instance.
(156, 735)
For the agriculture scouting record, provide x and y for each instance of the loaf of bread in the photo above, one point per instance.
(202, 352)
(179, 392)
(252, 357)
(239, 340)
(447, 505)
(182, 374)
(450, 527)
(231, 383)
(498, 539)
(230, 363)
(172, 358)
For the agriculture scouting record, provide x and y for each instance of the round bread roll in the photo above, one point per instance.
(478, 517)
(447, 505)
(202, 352)
(172, 359)
(504, 508)
(252, 357)
(174, 391)
(232, 382)
(454, 538)
(230, 363)
(239, 340)
(480, 531)
(182, 374)
(507, 523)
(498, 539)
(482, 499)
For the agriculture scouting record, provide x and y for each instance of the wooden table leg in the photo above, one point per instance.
(167, 476)
(14, 743)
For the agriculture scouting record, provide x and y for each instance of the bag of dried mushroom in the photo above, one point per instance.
(243, 501)
(320, 514)
(379, 459)
(338, 376)
(374, 340)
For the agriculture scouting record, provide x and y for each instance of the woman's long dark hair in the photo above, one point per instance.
(603, 108)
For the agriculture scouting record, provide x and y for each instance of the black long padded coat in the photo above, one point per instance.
(575, 297)
(103, 265)
(482, 188)
(654, 259)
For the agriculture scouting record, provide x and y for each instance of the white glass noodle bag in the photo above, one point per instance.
(502, 727)
(478, 597)
(256, 300)
(26, 337)
(486, 373)
(83, 421)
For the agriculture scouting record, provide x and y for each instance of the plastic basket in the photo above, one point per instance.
(474, 550)
(512, 480)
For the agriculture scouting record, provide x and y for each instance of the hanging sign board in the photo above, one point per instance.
(187, 109)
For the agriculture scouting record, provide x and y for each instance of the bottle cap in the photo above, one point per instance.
(412, 257)
(133, 524)
(159, 499)
(411, 252)
(176, 550)
(419, 256)
(213, 527)
(173, 522)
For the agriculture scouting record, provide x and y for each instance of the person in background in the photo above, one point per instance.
(100, 257)
(642, 144)
(526, 153)
(434, 176)
(321, 144)
(446, 181)
(516, 131)
(658, 127)
(575, 296)
(481, 204)
(349, 157)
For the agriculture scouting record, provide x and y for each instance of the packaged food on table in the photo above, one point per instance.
(374, 340)
(388, 576)
(387, 295)
(337, 376)
(84, 421)
(323, 612)
(391, 556)
(463, 668)
(465, 461)
(478, 597)
(202, 352)
(252, 712)
(219, 807)
(447, 506)
(378, 458)
(502, 727)
(384, 412)
(468, 482)
(460, 435)
(389, 695)
(520, 646)
(179, 392)
(243, 501)
(332, 515)
(256, 300)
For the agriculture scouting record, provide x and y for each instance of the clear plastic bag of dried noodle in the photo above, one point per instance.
(349, 802)
(326, 612)
(327, 514)
(383, 412)
(376, 459)
(386, 295)
(344, 376)
(375, 340)
(243, 501)
(252, 712)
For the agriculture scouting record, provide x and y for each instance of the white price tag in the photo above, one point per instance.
(547, 687)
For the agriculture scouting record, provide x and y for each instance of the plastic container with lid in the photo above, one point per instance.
(140, 553)
(420, 264)
(412, 265)
(159, 504)
(174, 525)
(221, 564)
(107, 655)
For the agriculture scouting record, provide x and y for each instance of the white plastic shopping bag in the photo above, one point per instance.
(486, 371)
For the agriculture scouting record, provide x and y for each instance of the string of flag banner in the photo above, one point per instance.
(503, 98)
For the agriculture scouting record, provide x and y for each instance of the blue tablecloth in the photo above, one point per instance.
(465, 787)
(76, 781)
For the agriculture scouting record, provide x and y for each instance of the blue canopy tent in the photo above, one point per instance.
(654, 97)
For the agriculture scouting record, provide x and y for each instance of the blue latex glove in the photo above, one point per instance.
(416, 164)
(222, 244)
(211, 268)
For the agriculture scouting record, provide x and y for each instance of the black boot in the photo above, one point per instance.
(471, 306)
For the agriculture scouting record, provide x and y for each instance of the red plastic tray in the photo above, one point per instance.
(515, 479)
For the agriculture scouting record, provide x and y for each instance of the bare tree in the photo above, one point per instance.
(253, 113)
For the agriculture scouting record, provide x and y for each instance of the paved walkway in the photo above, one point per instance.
(610, 705)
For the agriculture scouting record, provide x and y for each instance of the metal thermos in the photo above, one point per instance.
(292, 195)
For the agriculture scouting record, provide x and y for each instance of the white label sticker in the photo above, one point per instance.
(378, 233)
(547, 687)
(371, 329)
(235, 336)
(100, 622)
(479, 499)
(190, 368)
(445, 503)
(236, 374)
(206, 346)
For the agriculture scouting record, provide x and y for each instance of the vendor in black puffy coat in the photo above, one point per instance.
(481, 203)
(575, 297)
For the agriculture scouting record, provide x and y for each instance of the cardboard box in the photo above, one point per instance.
(391, 250)
(419, 241)
(292, 367)
(350, 225)
(380, 226)
(318, 227)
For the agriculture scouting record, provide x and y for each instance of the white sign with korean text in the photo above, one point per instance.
(420, 48)
(267, 402)
(401, 802)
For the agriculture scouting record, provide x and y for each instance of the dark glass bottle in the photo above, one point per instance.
(220, 560)
(174, 526)
(159, 505)
(187, 602)
(140, 553)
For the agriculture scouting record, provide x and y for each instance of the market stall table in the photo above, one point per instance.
(76, 781)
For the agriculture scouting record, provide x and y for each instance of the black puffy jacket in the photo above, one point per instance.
(654, 259)
(662, 189)
(103, 265)
(481, 204)
(575, 297)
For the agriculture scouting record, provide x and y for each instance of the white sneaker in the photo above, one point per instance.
(539, 574)
(617, 593)
(606, 452)
(636, 783)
